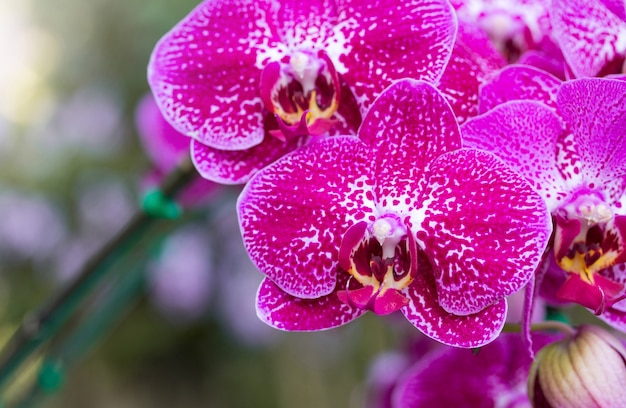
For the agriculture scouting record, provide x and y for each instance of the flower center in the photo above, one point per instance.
(303, 92)
(589, 238)
(382, 260)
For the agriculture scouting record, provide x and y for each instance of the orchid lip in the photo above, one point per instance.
(302, 92)
(588, 239)
(382, 260)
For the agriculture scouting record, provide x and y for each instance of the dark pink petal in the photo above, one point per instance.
(552, 64)
(595, 110)
(616, 7)
(393, 39)
(473, 61)
(236, 167)
(205, 72)
(425, 313)
(590, 35)
(524, 134)
(483, 227)
(495, 376)
(517, 82)
(285, 312)
(409, 125)
(294, 213)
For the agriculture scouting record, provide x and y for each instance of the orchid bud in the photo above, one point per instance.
(585, 370)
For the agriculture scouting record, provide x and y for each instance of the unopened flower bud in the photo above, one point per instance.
(585, 370)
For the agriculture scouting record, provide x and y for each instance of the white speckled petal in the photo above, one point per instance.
(473, 61)
(409, 125)
(286, 312)
(393, 39)
(595, 110)
(519, 82)
(237, 166)
(590, 35)
(204, 76)
(483, 227)
(524, 134)
(294, 212)
(425, 313)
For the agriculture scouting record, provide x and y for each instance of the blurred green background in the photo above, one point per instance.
(71, 75)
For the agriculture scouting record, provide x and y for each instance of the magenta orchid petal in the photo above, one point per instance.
(205, 77)
(293, 214)
(449, 377)
(236, 167)
(517, 82)
(524, 134)
(473, 61)
(595, 110)
(616, 7)
(590, 35)
(413, 40)
(425, 313)
(409, 125)
(285, 312)
(480, 251)
(553, 64)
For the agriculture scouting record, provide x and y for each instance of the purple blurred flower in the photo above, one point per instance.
(166, 148)
(513, 25)
(181, 279)
(495, 376)
(252, 80)
(397, 219)
(581, 175)
(32, 228)
(591, 34)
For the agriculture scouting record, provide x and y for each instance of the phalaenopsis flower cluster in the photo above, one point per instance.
(461, 162)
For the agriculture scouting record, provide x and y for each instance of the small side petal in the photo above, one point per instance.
(294, 212)
(425, 313)
(518, 82)
(590, 35)
(285, 312)
(237, 167)
(410, 39)
(483, 227)
(409, 125)
(524, 134)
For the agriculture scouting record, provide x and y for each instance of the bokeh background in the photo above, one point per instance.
(179, 327)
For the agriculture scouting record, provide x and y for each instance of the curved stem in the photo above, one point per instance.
(40, 326)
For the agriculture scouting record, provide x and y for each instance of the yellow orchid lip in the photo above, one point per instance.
(302, 92)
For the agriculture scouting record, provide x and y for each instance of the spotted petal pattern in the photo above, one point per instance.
(590, 35)
(410, 39)
(409, 126)
(524, 134)
(294, 212)
(595, 110)
(483, 228)
(425, 313)
(286, 312)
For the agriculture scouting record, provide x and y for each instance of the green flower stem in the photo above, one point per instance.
(548, 325)
(39, 327)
